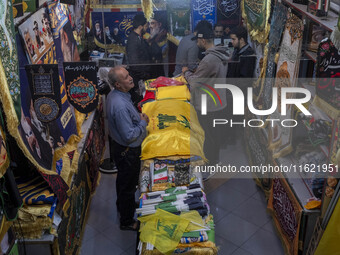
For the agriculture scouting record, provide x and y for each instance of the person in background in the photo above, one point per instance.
(108, 35)
(214, 63)
(138, 56)
(98, 32)
(158, 44)
(187, 51)
(243, 58)
(242, 67)
(218, 30)
(211, 70)
(116, 36)
(127, 128)
(219, 34)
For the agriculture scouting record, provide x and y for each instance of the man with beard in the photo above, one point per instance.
(158, 44)
(109, 38)
(242, 66)
(98, 33)
(211, 70)
(138, 57)
(116, 36)
(243, 58)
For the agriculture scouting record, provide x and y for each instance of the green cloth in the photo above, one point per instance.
(9, 56)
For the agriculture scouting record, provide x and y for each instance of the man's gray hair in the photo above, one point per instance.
(113, 76)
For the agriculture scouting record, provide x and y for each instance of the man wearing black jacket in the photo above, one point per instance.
(241, 67)
(243, 61)
(138, 56)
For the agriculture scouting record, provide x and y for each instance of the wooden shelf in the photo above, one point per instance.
(328, 22)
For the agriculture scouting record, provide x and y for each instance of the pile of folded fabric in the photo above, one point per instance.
(176, 220)
(174, 212)
(36, 215)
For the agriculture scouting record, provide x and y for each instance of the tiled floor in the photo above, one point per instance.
(243, 226)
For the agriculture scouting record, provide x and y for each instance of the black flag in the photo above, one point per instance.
(45, 89)
(81, 85)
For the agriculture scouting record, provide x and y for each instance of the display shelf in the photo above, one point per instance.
(46, 238)
(84, 129)
(329, 22)
(297, 184)
(311, 55)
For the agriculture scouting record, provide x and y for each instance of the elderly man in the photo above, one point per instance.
(127, 128)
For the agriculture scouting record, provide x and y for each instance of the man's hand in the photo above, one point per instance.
(145, 117)
(184, 69)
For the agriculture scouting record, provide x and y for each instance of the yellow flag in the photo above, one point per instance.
(163, 229)
(196, 221)
(173, 130)
(173, 92)
(329, 243)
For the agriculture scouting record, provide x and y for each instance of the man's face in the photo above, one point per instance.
(218, 31)
(200, 43)
(97, 27)
(125, 81)
(155, 27)
(235, 41)
(145, 27)
(107, 30)
(115, 31)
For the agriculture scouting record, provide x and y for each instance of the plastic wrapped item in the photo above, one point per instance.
(164, 81)
(182, 174)
(144, 180)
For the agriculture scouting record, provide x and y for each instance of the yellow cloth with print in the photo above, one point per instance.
(196, 221)
(163, 229)
(173, 130)
(173, 92)
(329, 243)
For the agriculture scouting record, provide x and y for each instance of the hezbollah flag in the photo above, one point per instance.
(163, 229)
(173, 130)
(329, 243)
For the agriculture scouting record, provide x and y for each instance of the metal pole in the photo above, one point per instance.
(105, 55)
